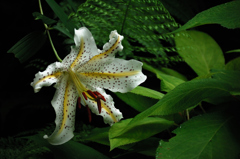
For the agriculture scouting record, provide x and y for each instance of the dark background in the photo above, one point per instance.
(17, 97)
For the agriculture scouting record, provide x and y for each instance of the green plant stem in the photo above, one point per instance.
(200, 105)
(48, 33)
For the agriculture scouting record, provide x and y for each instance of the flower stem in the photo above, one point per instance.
(48, 33)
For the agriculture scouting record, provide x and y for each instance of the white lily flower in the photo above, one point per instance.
(82, 75)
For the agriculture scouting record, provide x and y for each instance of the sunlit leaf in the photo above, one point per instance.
(136, 132)
(204, 137)
(200, 51)
(227, 15)
(147, 92)
(231, 51)
(28, 45)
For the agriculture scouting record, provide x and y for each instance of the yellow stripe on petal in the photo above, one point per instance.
(80, 54)
(105, 54)
(109, 75)
(65, 106)
(104, 106)
(45, 78)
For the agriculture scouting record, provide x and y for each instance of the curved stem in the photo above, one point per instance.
(48, 33)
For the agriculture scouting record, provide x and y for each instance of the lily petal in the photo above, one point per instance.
(109, 113)
(84, 50)
(64, 104)
(107, 55)
(118, 76)
(51, 75)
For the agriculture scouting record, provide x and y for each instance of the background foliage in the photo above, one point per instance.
(187, 108)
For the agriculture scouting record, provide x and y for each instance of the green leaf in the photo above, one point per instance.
(143, 91)
(99, 135)
(231, 51)
(140, 130)
(168, 82)
(28, 46)
(230, 77)
(140, 98)
(138, 102)
(70, 150)
(204, 137)
(62, 29)
(62, 16)
(200, 51)
(45, 19)
(233, 64)
(227, 15)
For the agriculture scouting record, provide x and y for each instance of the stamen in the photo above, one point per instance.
(89, 114)
(100, 96)
(91, 94)
(84, 95)
(79, 102)
(99, 106)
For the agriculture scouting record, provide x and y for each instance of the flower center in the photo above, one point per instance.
(76, 81)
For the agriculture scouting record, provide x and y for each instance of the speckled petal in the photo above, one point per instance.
(51, 75)
(107, 55)
(118, 76)
(84, 50)
(109, 113)
(64, 104)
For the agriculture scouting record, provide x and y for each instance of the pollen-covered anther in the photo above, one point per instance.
(97, 97)
(89, 114)
(84, 95)
(79, 102)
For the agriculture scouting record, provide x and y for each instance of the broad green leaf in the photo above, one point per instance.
(146, 147)
(229, 76)
(136, 132)
(227, 15)
(62, 16)
(204, 137)
(45, 19)
(168, 82)
(187, 95)
(200, 51)
(231, 51)
(143, 91)
(140, 98)
(138, 102)
(28, 46)
(99, 135)
(69, 150)
(233, 64)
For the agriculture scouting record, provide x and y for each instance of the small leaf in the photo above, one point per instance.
(168, 82)
(45, 19)
(227, 15)
(138, 102)
(28, 46)
(140, 130)
(200, 51)
(204, 137)
(233, 64)
(62, 29)
(231, 51)
(147, 92)
(62, 16)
